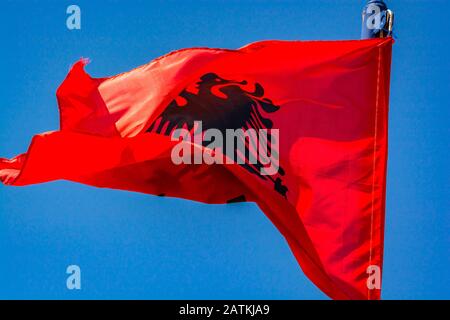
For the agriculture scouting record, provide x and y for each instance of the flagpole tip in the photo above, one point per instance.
(377, 20)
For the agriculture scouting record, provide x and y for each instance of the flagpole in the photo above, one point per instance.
(377, 20)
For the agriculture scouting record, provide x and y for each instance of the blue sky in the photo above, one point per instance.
(135, 246)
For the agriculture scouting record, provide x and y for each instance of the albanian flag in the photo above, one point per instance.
(327, 102)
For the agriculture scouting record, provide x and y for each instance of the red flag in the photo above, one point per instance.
(326, 100)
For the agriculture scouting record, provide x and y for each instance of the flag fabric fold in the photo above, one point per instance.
(327, 99)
